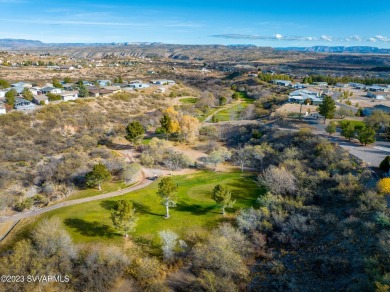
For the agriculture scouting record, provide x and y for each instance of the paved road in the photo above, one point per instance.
(145, 182)
(372, 154)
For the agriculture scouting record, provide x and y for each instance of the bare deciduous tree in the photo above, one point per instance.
(278, 180)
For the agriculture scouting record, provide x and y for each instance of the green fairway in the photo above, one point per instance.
(107, 187)
(195, 211)
(211, 111)
(232, 113)
(189, 100)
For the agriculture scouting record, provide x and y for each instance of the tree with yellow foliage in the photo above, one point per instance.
(384, 185)
(189, 127)
(169, 121)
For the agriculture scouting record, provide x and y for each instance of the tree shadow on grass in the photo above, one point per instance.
(194, 208)
(91, 229)
(109, 205)
(139, 207)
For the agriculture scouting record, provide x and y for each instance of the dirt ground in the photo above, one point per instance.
(295, 108)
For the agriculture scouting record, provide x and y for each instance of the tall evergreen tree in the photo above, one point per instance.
(327, 108)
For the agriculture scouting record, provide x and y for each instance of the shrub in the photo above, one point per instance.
(384, 186)
(385, 164)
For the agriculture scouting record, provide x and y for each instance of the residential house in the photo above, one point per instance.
(2, 109)
(357, 85)
(69, 95)
(114, 89)
(297, 85)
(35, 90)
(281, 82)
(377, 88)
(18, 89)
(23, 104)
(87, 83)
(138, 85)
(342, 85)
(49, 89)
(162, 82)
(103, 83)
(22, 84)
(68, 68)
(40, 99)
(367, 111)
(378, 95)
(68, 86)
(300, 96)
(99, 92)
(320, 83)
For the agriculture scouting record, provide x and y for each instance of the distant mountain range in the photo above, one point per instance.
(338, 49)
(20, 44)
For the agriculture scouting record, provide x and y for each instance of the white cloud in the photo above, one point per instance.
(355, 38)
(382, 38)
(278, 36)
(326, 38)
(323, 38)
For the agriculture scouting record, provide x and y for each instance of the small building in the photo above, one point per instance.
(2, 110)
(68, 86)
(113, 88)
(357, 85)
(23, 104)
(281, 82)
(87, 83)
(67, 68)
(2, 93)
(320, 83)
(300, 96)
(377, 88)
(342, 85)
(138, 85)
(53, 67)
(49, 89)
(69, 95)
(378, 95)
(367, 111)
(297, 85)
(40, 99)
(22, 84)
(162, 82)
(99, 92)
(35, 90)
(18, 89)
(103, 83)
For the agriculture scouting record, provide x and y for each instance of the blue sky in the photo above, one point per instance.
(263, 23)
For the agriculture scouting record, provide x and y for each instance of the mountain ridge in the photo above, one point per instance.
(20, 44)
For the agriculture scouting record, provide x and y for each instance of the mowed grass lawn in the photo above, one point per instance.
(233, 112)
(195, 212)
(352, 122)
(107, 187)
(230, 113)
